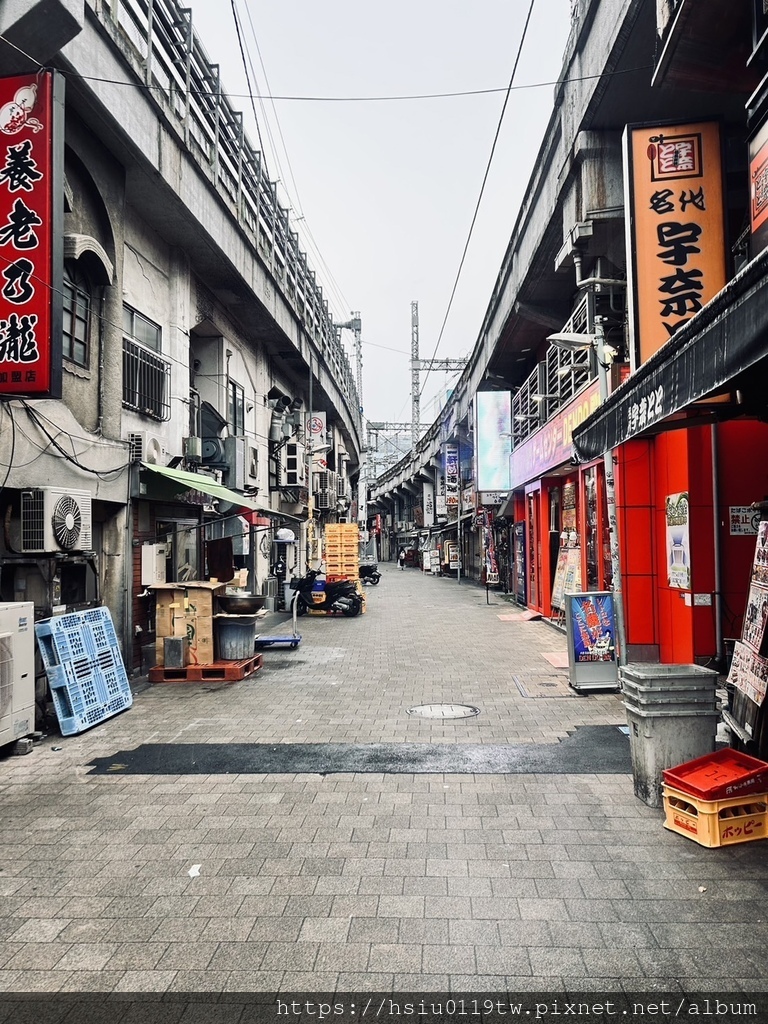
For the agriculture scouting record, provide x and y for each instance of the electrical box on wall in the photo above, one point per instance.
(152, 564)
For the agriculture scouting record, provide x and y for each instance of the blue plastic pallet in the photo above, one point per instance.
(85, 669)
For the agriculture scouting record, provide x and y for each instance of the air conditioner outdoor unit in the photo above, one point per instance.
(294, 465)
(341, 487)
(17, 670)
(55, 519)
(147, 447)
(325, 499)
(234, 453)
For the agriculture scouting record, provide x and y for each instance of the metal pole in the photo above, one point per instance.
(310, 495)
(415, 396)
(610, 500)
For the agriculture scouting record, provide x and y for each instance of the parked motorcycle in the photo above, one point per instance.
(338, 596)
(370, 573)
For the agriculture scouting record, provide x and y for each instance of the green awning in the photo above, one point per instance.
(198, 482)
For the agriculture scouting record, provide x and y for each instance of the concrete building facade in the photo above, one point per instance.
(196, 339)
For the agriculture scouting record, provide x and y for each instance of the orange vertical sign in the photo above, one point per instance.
(675, 227)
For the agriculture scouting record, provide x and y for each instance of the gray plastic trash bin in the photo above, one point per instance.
(672, 716)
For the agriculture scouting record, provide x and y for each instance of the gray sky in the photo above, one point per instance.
(388, 189)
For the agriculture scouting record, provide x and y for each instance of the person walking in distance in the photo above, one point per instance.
(401, 558)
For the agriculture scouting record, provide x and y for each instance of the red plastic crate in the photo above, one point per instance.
(725, 773)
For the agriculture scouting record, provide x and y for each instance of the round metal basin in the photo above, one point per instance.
(232, 605)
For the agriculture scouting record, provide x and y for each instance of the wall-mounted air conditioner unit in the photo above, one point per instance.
(17, 670)
(147, 447)
(341, 487)
(55, 519)
(325, 500)
(293, 460)
(234, 453)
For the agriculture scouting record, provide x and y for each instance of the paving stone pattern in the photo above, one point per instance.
(364, 881)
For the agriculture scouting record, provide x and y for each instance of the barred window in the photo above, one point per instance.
(145, 374)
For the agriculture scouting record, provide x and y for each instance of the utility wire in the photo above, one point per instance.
(482, 191)
(287, 98)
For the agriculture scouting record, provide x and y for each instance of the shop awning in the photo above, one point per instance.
(204, 484)
(716, 352)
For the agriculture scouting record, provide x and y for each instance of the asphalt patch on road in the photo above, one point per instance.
(589, 749)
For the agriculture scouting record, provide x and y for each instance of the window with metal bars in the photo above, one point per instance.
(146, 375)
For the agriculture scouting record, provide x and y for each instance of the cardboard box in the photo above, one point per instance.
(177, 602)
(200, 640)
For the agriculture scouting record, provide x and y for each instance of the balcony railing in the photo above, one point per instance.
(555, 381)
(156, 36)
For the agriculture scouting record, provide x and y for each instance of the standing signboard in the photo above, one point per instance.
(31, 234)
(591, 629)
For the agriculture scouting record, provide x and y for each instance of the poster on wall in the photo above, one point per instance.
(569, 506)
(678, 541)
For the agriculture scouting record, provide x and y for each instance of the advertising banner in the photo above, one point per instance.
(428, 502)
(452, 554)
(675, 227)
(493, 439)
(551, 445)
(31, 234)
(591, 629)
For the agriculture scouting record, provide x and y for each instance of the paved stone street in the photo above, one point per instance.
(381, 880)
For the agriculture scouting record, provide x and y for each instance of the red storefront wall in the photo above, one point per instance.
(661, 620)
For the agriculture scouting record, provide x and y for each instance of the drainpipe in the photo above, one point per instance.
(100, 392)
(587, 281)
(716, 549)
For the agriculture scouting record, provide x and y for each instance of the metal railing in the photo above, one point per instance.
(157, 38)
(555, 380)
(146, 378)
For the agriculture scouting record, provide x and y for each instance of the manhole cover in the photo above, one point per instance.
(444, 711)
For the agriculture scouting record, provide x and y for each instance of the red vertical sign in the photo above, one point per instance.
(29, 291)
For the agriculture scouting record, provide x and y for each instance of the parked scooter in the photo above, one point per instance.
(312, 592)
(370, 573)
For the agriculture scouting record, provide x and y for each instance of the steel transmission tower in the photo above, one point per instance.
(417, 365)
